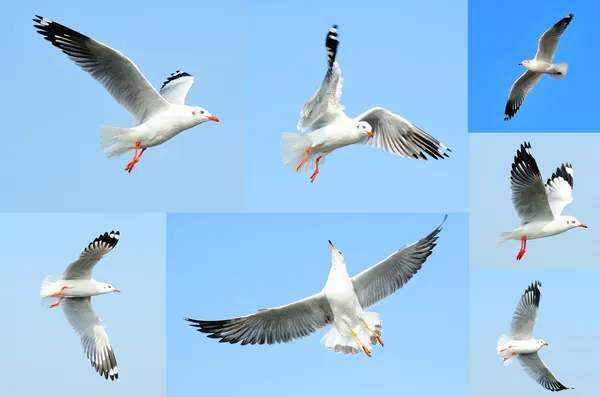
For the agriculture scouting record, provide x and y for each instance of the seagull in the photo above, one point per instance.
(76, 287)
(331, 129)
(542, 63)
(539, 206)
(158, 117)
(341, 302)
(523, 345)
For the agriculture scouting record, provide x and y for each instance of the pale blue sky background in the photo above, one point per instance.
(390, 56)
(43, 349)
(492, 211)
(52, 110)
(566, 321)
(504, 33)
(222, 266)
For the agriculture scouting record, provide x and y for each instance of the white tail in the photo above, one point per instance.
(116, 141)
(293, 148)
(49, 286)
(560, 70)
(503, 349)
(503, 237)
(335, 341)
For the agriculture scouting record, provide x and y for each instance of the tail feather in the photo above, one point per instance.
(503, 237)
(335, 341)
(560, 70)
(49, 286)
(503, 350)
(117, 141)
(293, 148)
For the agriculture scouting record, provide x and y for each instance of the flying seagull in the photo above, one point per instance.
(75, 289)
(523, 345)
(158, 117)
(341, 302)
(542, 63)
(539, 205)
(331, 129)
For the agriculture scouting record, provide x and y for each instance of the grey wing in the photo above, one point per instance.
(560, 188)
(519, 91)
(529, 194)
(388, 276)
(88, 326)
(397, 135)
(117, 73)
(324, 106)
(176, 87)
(525, 315)
(276, 325)
(535, 367)
(549, 41)
(83, 267)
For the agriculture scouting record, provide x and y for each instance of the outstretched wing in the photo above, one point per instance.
(520, 88)
(529, 195)
(560, 189)
(117, 73)
(549, 41)
(276, 325)
(82, 268)
(388, 276)
(324, 106)
(397, 135)
(88, 326)
(525, 314)
(535, 367)
(176, 87)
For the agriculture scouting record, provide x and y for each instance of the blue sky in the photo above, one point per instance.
(221, 266)
(51, 141)
(389, 54)
(504, 33)
(44, 351)
(564, 321)
(492, 211)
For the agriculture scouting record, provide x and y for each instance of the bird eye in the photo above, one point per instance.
(110, 286)
(202, 112)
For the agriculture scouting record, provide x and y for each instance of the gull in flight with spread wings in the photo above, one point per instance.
(539, 205)
(331, 129)
(523, 345)
(341, 302)
(75, 289)
(537, 67)
(158, 117)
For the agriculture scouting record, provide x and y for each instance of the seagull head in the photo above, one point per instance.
(107, 288)
(573, 223)
(337, 258)
(203, 115)
(525, 63)
(542, 343)
(365, 128)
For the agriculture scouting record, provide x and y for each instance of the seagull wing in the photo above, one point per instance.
(176, 87)
(117, 73)
(519, 91)
(82, 268)
(388, 276)
(89, 328)
(560, 189)
(549, 40)
(535, 367)
(529, 195)
(525, 315)
(276, 325)
(324, 106)
(396, 135)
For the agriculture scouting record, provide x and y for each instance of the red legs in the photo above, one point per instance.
(136, 157)
(523, 248)
(64, 287)
(374, 333)
(367, 351)
(314, 175)
(57, 303)
(508, 357)
(303, 160)
(503, 350)
(58, 294)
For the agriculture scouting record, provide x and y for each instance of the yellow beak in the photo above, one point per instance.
(331, 245)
